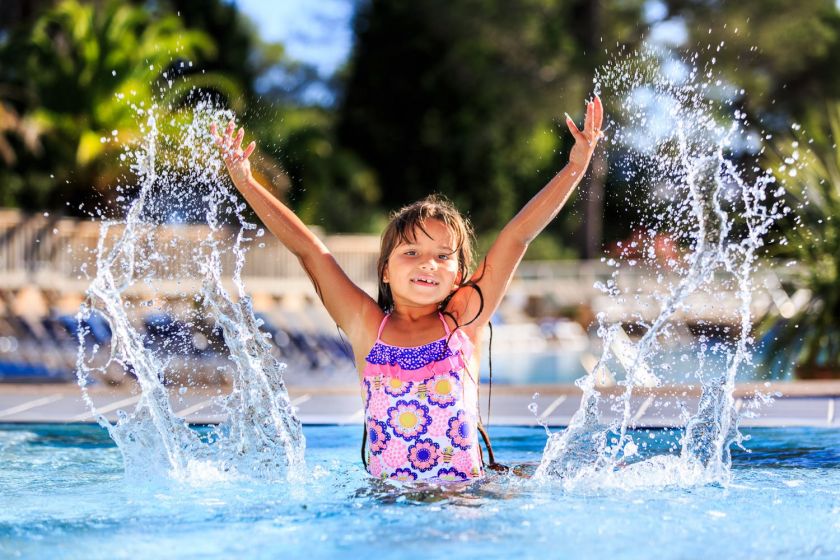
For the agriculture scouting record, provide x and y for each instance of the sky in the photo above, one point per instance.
(313, 31)
(319, 31)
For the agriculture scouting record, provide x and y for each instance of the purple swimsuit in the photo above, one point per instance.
(420, 410)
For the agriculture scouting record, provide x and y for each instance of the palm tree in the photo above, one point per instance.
(86, 68)
(810, 336)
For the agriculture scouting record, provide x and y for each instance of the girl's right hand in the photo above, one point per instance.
(236, 159)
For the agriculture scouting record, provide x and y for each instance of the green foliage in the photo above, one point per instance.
(239, 56)
(329, 185)
(811, 337)
(458, 97)
(462, 97)
(79, 69)
(783, 53)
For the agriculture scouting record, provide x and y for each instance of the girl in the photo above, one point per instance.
(420, 397)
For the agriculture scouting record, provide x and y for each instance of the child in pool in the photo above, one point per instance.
(420, 397)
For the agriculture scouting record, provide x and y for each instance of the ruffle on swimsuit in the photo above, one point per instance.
(420, 362)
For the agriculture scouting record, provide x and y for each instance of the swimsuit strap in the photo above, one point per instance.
(388, 315)
(445, 325)
(382, 327)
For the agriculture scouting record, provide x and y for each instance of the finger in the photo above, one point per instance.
(599, 113)
(237, 142)
(589, 123)
(224, 144)
(249, 150)
(576, 133)
(572, 126)
(229, 143)
(214, 132)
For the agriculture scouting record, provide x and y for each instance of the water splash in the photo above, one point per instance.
(179, 175)
(682, 142)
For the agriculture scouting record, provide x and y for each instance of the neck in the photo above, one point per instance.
(414, 313)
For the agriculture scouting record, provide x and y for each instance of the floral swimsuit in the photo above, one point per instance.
(420, 410)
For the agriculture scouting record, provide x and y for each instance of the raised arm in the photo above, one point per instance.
(349, 306)
(495, 272)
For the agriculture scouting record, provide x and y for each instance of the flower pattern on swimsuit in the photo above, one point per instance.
(440, 421)
(442, 390)
(419, 425)
(366, 391)
(396, 387)
(451, 475)
(378, 436)
(424, 454)
(378, 404)
(409, 419)
(396, 453)
(460, 431)
(403, 475)
(463, 461)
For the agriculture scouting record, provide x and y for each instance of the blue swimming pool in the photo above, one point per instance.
(63, 495)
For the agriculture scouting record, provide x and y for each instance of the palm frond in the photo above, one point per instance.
(810, 171)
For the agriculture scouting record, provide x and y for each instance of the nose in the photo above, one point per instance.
(429, 264)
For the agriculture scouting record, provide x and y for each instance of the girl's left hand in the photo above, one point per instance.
(586, 139)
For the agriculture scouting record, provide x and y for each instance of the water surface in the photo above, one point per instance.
(64, 495)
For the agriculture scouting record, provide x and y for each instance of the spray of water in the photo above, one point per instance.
(180, 176)
(681, 141)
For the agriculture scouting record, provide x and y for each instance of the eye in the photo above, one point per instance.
(443, 257)
(411, 252)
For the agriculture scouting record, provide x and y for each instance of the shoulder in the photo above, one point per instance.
(366, 329)
(464, 310)
(461, 327)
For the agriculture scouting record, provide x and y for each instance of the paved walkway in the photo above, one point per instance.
(804, 403)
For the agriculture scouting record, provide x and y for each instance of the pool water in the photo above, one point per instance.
(63, 495)
(673, 365)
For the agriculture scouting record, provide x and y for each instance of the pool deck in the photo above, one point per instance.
(801, 403)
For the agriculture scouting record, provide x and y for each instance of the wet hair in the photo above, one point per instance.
(408, 222)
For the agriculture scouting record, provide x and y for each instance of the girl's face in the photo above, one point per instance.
(425, 270)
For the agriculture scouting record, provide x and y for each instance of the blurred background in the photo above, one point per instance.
(361, 106)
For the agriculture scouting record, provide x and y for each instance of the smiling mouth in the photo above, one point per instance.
(425, 281)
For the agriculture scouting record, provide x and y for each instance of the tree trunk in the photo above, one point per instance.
(15, 12)
(593, 214)
(592, 191)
